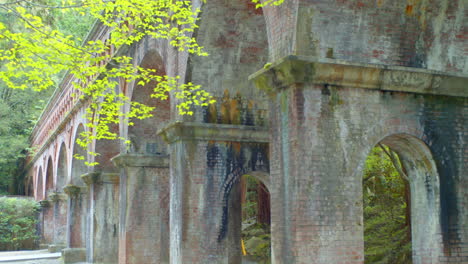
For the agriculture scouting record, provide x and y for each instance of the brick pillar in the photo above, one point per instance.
(207, 161)
(76, 224)
(325, 116)
(59, 204)
(144, 211)
(104, 212)
(45, 217)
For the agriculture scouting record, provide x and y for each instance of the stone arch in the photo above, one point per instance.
(49, 178)
(61, 167)
(261, 176)
(143, 136)
(78, 167)
(77, 204)
(423, 175)
(234, 34)
(39, 185)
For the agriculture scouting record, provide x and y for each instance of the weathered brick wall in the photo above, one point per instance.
(105, 221)
(144, 218)
(234, 35)
(316, 187)
(78, 221)
(48, 225)
(60, 222)
(424, 34)
(202, 177)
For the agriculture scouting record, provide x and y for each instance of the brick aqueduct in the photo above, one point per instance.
(305, 91)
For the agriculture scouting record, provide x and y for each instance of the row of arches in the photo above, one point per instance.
(54, 174)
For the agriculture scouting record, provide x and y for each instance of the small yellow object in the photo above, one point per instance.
(243, 248)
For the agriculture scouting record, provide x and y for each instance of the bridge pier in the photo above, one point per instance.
(59, 205)
(76, 224)
(144, 212)
(341, 111)
(103, 221)
(207, 161)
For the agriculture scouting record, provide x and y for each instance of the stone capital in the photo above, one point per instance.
(138, 160)
(192, 131)
(72, 190)
(56, 196)
(304, 69)
(44, 203)
(90, 177)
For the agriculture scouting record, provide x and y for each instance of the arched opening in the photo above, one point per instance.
(77, 201)
(248, 230)
(78, 166)
(60, 205)
(49, 177)
(48, 212)
(62, 168)
(142, 135)
(39, 186)
(256, 220)
(401, 202)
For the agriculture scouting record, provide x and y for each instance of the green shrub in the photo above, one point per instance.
(18, 220)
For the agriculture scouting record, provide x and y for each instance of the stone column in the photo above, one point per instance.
(144, 209)
(58, 201)
(46, 225)
(104, 210)
(207, 161)
(76, 225)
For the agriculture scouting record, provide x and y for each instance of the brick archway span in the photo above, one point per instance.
(77, 166)
(39, 184)
(49, 176)
(261, 176)
(62, 165)
(430, 171)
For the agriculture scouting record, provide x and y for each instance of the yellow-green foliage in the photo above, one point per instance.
(18, 218)
(34, 54)
(386, 232)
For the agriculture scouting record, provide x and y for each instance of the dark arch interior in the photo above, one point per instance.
(78, 166)
(143, 136)
(62, 168)
(49, 177)
(39, 188)
(249, 231)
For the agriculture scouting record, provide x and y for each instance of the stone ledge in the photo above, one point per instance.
(100, 178)
(191, 131)
(303, 69)
(137, 160)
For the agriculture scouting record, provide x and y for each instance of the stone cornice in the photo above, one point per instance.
(302, 69)
(100, 178)
(138, 160)
(191, 131)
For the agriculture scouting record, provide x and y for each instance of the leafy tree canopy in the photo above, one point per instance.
(34, 52)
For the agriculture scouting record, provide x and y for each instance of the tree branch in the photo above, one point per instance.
(395, 161)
